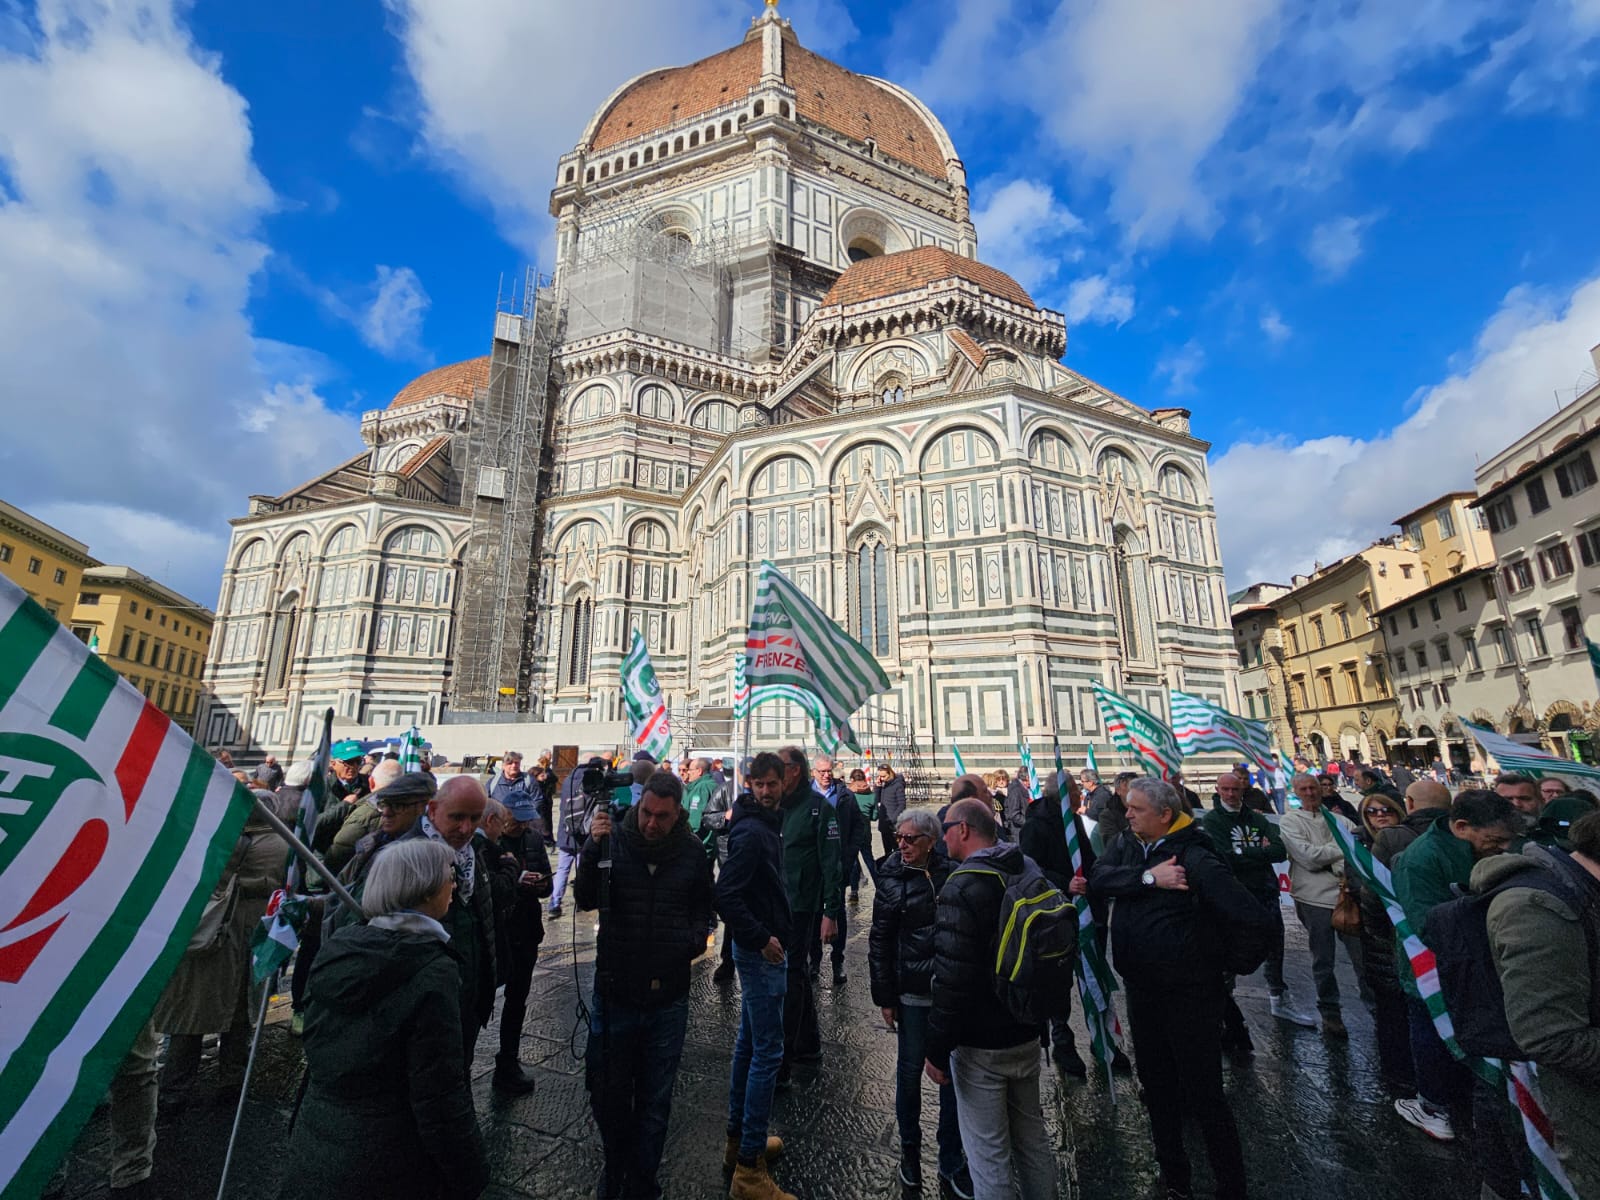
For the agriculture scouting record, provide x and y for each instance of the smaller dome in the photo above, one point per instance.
(907, 270)
(458, 381)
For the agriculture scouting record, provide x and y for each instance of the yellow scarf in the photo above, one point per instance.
(1183, 820)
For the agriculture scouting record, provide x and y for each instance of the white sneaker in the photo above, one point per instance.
(1435, 1125)
(1282, 1009)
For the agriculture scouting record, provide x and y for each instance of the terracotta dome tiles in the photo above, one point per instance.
(461, 381)
(908, 270)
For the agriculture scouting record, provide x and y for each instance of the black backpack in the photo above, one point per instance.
(1244, 947)
(1458, 935)
(1036, 944)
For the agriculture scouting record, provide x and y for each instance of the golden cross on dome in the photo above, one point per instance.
(772, 3)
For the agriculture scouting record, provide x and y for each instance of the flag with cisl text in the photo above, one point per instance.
(793, 642)
(647, 708)
(114, 828)
(1139, 733)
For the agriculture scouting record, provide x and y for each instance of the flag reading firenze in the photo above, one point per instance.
(114, 827)
(746, 699)
(794, 642)
(647, 710)
(1139, 733)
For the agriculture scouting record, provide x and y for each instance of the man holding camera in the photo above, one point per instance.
(575, 805)
(651, 881)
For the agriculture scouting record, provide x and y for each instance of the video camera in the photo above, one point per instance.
(597, 785)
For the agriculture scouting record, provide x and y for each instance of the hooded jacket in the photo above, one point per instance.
(1165, 939)
(900, 946)
(752, 891)
(659, 909)
(386, 1076)
(812, 857)
(1547, 953)
(1434, 868)
(966, 1007)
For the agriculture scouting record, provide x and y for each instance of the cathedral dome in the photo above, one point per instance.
(458, 381)
(908, 270)
(825, 94)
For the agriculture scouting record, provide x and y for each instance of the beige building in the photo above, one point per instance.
(1542, 506)
(41, 560)
(1255, 627)
(153, 637)
(1450, 534)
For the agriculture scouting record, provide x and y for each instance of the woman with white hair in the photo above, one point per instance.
(388, 1108)
(295, 781)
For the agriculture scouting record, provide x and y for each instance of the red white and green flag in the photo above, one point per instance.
(1203, 727)
(792, 641)
(114, 828)
(647, 708)
(1138, 732)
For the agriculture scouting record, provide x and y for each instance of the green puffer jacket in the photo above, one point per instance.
(1549, 967)
(811, 855)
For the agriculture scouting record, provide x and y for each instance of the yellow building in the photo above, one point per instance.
(40, 559)
(1449, 535)
(1325, 656)
(149, 634)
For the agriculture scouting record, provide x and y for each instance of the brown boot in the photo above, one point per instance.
(730, 1154)
(753, 1183)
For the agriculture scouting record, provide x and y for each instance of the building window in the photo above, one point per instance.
(1400, 662)
(1572, 627)
(5, 552)
(83, 633)
(1469, 647)
(1538, 500)
(1433, 607)
(89, 598)
(1316, 630)
(33, 566)
(1442, 690)
(163, 620)
(1519, 575)
(1535, 631)
(1394, 625)
(1461, 599)
(138, 655)
(1325, 689)
(60, 576)
(1502, 645)
(1381, 676)
(1502, 514)
(1447, 524)
(1555, 562)
(1344, 624)
(1405, 570)
(167, 664)
(52, 607)
(580, 632)
(280, 643)
(161, 696)
(870, 583)
(183, 661)
(1589, 547)
(1443, 647)
(1575, 475)
(1414, 534)
(1352, 684)
(1291, 633)
(1250, 702)
(122, 650)
(1411, 614)
(1422, 658)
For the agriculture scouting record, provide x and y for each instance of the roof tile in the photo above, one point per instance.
(461, 381)
(907, 270)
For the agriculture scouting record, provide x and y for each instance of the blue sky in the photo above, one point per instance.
(1358, 242)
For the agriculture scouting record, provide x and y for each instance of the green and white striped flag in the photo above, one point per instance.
(955, 753)
(411, 751)
(116, 827)
(747, 699)
(277, 935)
(299, 876)
(647, 708)
(1203, 727)
(792, 641)
(1527, 760)
(1035, 784)
(1091, 763)
(1138, 732)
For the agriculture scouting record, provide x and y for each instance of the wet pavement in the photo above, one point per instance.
(1312, 1114)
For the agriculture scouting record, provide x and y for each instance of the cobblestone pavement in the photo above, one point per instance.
(1314, 1119)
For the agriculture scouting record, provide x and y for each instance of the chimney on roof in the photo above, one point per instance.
(1594, 354)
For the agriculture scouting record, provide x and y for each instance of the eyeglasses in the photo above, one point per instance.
(947, 826)
(906, 839)
(393, 805)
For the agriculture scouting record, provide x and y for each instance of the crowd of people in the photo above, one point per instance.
(453, 877)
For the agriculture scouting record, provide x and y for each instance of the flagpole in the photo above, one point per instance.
(300, 848)
(244, 1088)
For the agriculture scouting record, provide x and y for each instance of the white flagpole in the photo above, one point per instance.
(244, 1088)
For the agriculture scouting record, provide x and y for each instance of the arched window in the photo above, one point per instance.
(892, 389)
(655, 402)
(592, 403)
(1115, 466)
(577, 640)
(280, 646)
(1176, 484)
(414, 541)
(1133, 596)
(869, 587)
(714, 416)
(862, 249)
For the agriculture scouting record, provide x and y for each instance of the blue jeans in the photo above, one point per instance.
(913, 1045)
(565, 861)
(758, 1050)
(631, 1063)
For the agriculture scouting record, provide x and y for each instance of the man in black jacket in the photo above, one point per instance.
(891, 789)
(753, 897)
(523, 840)
(1176, 907)
(574, 804)
(1044, 839)
(653, 918)
(973, 1042)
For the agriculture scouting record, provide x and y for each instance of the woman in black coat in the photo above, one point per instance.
(900, 954)
(387, 1109)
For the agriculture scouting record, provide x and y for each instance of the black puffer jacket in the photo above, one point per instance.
(966, 1008)
(752, 889)
(900, 945)
(1386, 847)
(891, 801)
(525, 927)
(383, 1054)
(1163, 938)
(660, 907)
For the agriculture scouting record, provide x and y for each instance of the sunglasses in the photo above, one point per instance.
(947, 826)
(906, 839)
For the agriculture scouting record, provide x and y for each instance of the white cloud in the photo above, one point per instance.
(1334, 245)
(129, 237)
(391, 322)
(1022, 228)
(1181, 365)
(1274, 326)
(1282, 503)
(1095, 298)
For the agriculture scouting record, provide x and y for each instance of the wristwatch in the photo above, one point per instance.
(1148, 879)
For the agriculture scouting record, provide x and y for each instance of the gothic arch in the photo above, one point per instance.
(400, 524)
(980, 424)
(1136, 465)
(592, 401)
(326, 546)
(646, 527)
(1035, 435)
(879, 361)
(1564, 708)
(758, 470)
(839, 455)
(1176, 481)
(252, 555)
(641, 399)
(564, 531)
(871, 231)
